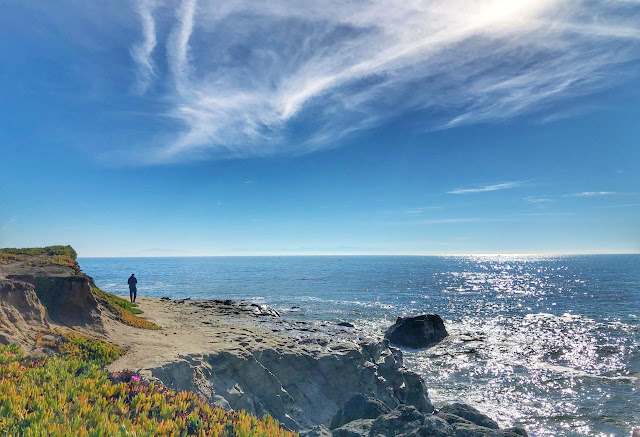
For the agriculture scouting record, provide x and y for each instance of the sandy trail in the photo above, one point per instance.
(192, 328)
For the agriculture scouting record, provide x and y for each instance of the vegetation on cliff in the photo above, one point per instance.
(125, 310)
(74, 345)
(74, 396)
(48, 291)
(39, 256)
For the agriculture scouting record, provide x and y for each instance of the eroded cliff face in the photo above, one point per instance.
(301, 389)
(54, 288)
(22, 315)
(67, 298)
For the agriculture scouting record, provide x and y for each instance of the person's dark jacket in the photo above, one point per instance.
(132, 282)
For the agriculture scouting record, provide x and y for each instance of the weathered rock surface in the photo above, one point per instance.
(407, 421)
(301, 390)
(22, 314)
(356, 428)
(469, 413)
(357, 407)
(316, 431)
(399, 422)
(417, 332)
(471, 430)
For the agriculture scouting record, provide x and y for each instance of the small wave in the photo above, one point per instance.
(309, 298)
(582, 374)
(566, 317)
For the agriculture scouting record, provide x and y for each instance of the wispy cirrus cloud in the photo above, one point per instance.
(538, 200)
(292, 77)
(592, 194)
(624, 205)
(141, 52)
(450, 220)
(484, 188)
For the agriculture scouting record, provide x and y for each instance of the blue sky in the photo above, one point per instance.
(196, 127)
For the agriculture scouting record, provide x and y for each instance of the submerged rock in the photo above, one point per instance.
(417, 332)
(357, 407)
(345, 324)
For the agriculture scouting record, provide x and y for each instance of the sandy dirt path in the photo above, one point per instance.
(191, 327)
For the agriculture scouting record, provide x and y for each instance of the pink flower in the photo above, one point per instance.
(135, 378)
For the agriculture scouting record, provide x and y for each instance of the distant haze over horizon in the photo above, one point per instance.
(194, 127)
(470, 255)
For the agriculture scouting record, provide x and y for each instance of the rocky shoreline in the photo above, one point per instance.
(302, 373)
(319, 379)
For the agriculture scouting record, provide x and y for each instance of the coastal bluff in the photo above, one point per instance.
(317, 378)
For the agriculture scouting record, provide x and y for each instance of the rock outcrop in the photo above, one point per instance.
(407, 421)
(300, 389)
(417, 332)
(457, 410)
(357, 407)
(22, 315)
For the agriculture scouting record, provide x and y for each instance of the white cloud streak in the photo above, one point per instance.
(625, 205)
(255, 78)
(141, 52)
(537, 200)
(592, 194)
(484, 188)
(178, 45)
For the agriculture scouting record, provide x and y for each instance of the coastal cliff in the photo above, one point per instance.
(236, 355)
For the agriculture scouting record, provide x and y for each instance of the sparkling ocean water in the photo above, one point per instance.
(552, 343)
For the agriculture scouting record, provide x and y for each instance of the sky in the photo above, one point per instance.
(197, 127)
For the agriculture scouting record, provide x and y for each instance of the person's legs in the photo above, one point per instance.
(135, 294)
(132, 295)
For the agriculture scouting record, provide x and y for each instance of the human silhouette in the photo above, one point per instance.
(133, 292)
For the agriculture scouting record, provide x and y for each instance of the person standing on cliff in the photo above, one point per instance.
(133, 291)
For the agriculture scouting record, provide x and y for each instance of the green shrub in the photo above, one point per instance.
(80, 346)
(66, 251)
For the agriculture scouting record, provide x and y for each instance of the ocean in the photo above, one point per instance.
(549, 342)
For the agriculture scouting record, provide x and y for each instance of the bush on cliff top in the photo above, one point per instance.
(58, 396)
(38, 256)
(67, 251)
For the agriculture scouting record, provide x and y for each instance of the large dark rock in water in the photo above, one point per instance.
(417, 332)
(357, 407)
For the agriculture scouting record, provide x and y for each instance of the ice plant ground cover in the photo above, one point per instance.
(57, 396)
